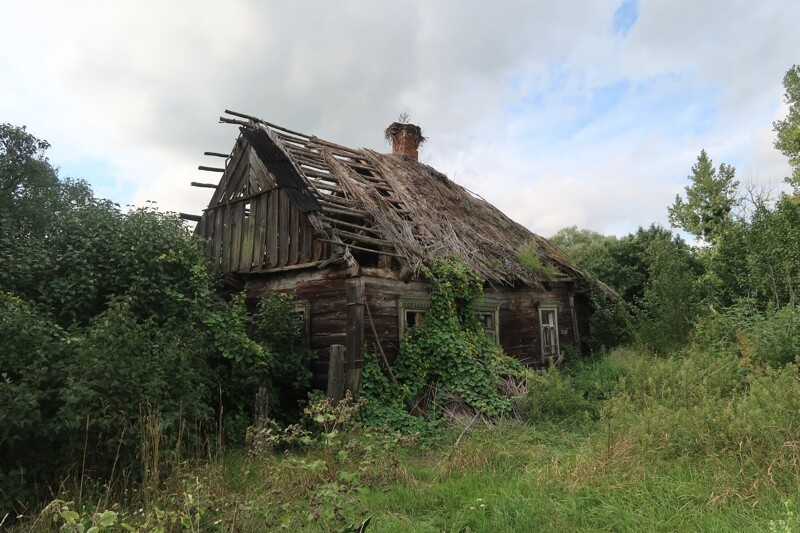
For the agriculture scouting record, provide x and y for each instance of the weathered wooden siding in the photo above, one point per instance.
(258, 234)
(325, 291)
(520, 335)
(343, 310)
(382, 291)
(519, 314)
(252, 224)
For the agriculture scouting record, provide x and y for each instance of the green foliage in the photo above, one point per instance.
(672, 296)
(760, 258)
(610, 320)
(531, 259)
(788, 129)
(119, 351)
(580, 244)
(770, 337)
(277, 327)
(710, 197)
(660, 279)
(450, 349)
(571, 394)
(552, 396)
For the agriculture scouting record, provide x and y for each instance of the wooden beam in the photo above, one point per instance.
(205, 185)
(343, 234)
(217, 154)
(331, 207)
(227, 120)
(353, 246)
(336, 222)
(187, 216)
(211, 169)
(273, 126)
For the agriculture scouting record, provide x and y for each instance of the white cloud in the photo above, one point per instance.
(510, 95)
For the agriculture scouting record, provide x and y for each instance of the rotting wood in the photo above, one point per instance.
(336, 221)
(248, 238)
(353, 246)
(283, 232)
(231, 165)
(272, 229)
(219, 222)
(216, 154)
(262, 121)
(298, 266)
(204, 185)
(210, 169)
(354, 289)
(344, 234)
(339, 201)
(188, 216)
(227, 120)
(329, 144)
(294, 235)
(336, 372)
(331, 207)
(319, 184)
(387, 369)
(260, 246)
(236, 235)
(242, 198)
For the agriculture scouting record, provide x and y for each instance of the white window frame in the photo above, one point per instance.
(549, 331)
(421, 305)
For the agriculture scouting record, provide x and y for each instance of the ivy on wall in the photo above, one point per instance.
(450, 349)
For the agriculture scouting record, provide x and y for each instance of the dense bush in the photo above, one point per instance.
(570, 393)
(119, 350)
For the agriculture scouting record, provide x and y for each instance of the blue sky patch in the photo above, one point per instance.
(625, 17)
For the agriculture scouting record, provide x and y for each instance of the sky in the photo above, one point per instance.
(587, 113)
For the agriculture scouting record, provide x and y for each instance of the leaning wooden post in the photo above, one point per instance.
(336, 373)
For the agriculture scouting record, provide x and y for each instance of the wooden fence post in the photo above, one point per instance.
(336, 372)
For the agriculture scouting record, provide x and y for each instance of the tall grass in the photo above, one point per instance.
(707, 439)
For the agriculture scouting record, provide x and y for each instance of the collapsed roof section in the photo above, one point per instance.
(290, 200)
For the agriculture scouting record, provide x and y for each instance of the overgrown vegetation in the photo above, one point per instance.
(449, 354)
(119, 352)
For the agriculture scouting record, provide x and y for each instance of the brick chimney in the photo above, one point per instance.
(406, 139)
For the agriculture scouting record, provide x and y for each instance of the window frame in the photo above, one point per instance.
(422, 305)
(549, 307)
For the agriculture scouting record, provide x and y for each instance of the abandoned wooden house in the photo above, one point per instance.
(347, 229)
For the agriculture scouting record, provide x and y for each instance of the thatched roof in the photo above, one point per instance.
(392, 205)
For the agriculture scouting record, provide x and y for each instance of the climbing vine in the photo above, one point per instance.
(450, 349)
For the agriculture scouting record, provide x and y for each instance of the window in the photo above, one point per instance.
(302, 310)
(489, 315)
(548, 324)
(411, 313)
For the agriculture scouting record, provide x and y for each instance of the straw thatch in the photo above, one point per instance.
(395, 206)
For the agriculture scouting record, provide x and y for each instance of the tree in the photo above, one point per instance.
(579, 244)
(788, 129)
(710, 198)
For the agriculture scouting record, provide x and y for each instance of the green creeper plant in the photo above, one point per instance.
(449, 349)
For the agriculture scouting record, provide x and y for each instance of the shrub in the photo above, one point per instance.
(553, 396)
(770, 337)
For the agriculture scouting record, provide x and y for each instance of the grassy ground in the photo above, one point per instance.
(694, 442)
(517, 478)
